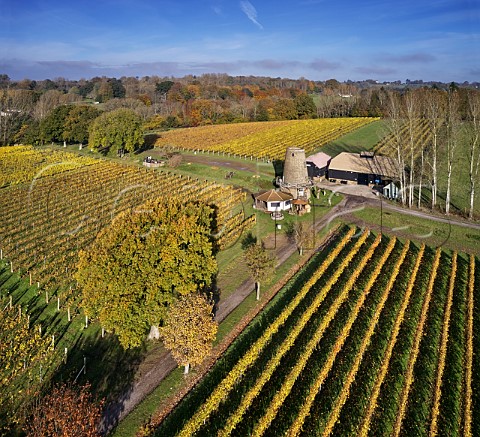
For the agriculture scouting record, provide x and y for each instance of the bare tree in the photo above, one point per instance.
(473, 138)
(412, 115)
(435, 115)
(395, 127)
(452, 121)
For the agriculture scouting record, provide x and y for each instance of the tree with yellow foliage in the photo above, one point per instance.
(142, 262)
(189, 330)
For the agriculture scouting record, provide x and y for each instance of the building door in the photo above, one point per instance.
(362, 179)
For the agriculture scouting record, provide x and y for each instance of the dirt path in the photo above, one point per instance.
(148, 381)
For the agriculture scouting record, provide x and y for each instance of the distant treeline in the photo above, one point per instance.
(168, 102)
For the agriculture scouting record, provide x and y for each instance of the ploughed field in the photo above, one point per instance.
(373, 337)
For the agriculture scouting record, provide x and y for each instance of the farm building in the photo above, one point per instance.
(273, 200)
(317, 165)
(362, 168)
(391, 191)
(295, 176)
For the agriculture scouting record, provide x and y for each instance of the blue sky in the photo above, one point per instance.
(362, 39)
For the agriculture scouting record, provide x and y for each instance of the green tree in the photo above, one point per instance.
(163, 88)
(139, 264)
(53, 125)
(78, 122)
(261, 264)
(305, 106)
(189, 330)
(116, 131)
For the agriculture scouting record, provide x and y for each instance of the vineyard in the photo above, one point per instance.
(46, 223)
(19, 164)
(420, 135)
(373, 337)
(261, 140)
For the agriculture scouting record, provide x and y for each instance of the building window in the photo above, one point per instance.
(275, 204)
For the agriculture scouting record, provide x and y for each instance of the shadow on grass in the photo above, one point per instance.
(109, 368)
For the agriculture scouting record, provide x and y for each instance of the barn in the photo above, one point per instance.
(364, 168)
(317, 165)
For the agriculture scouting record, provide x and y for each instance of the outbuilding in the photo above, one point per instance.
(390, 191)
(317, 165)
(362, 168)
(273, 200)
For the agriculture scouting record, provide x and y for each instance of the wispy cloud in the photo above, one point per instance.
(410, 58)
(250, 11)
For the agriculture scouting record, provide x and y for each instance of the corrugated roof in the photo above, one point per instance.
(273, 196)
(353, 162)
(320, 159)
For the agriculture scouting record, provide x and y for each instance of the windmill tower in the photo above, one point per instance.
(295, 176)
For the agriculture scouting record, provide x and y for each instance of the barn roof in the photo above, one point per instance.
(273, 196)
(356, 163)
(320, 159)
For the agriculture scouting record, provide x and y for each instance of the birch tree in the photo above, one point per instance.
(435, 115)
(395, 128)
(411, 113)
(452, 127)
(473, 138)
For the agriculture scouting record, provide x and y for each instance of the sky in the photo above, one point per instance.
(430, 40)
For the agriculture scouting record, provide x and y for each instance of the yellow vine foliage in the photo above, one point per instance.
(267, 140)
(443, 350)
(467, 430)
(19, 164)
(227, 384)
(287, 386)
(372, 404)
(22, 351)
(416, 346)
(342, 398)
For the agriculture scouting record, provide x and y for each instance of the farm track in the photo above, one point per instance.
(165, 363)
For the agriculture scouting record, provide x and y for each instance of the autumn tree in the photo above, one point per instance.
(22, 351)
(66, 411)
(189, 329)
(139, 264)
(261, 264)
(116, 131)
(301, 234)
